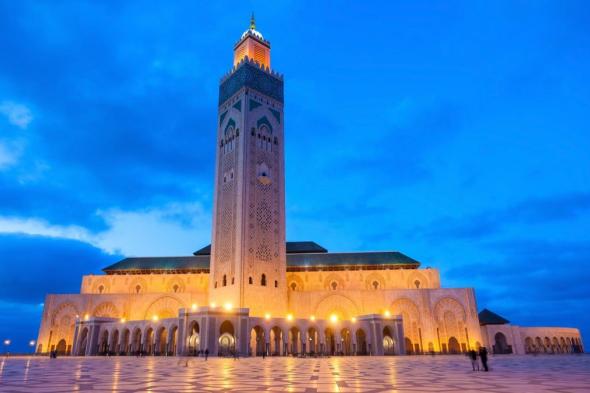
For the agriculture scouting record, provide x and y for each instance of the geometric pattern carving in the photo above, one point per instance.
(106, 310)
(164, 307)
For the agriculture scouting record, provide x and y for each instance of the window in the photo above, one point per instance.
(263, 280)
(250, 280)
(224, 280)
(375, 284)
(101, 289)
(417, 284)
(215, 286)
(293, 286)
(175, 288)
(334, 285)
(276, 284)
(232, 281)
(137, 288)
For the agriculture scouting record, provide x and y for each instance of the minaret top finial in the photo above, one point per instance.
(252, 22)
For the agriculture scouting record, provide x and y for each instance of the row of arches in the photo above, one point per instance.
(373, 281)
(553, 345)
(158, 341)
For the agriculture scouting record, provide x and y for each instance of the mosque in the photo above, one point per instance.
(254, 293)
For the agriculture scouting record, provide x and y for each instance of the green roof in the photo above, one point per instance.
(295, 261)
(350, 259)
(292, 248)
(487, 317)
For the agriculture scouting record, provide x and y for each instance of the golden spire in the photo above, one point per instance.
(252, 22)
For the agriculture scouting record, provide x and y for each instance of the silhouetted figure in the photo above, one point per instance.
(206, 354)
(473, 357)
(483, 355)
(263, 355)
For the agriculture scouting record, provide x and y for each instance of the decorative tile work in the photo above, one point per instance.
(238, 105)
(248, 75)
(254, 104)
(348, 374)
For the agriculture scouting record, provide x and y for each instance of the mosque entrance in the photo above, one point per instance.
(61, 347)
(501, 344)
(227, 342)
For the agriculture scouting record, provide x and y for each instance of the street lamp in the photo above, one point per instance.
(32, 345)
(6, 345)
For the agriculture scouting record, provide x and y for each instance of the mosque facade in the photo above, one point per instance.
(252, 292)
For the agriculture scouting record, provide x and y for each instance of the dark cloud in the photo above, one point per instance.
(531, 281)
(34, 266)
(533, 211)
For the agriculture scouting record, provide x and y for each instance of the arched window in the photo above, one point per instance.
(375, 284)
(137, 288)
(417, 284)
(101, 289)
(334, 285)
(224, 280)
(293, 286)
(263, 280)
(276, 284)
(215, 286)
(250, 280)
(232, 281)
(175, 288)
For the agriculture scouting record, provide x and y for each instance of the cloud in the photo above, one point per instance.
(533, 211)
(7, 158)
(175, 228)
(17, 114)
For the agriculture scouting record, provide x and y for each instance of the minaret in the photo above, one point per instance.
(248, 260)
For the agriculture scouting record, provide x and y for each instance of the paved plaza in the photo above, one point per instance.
(347, 374)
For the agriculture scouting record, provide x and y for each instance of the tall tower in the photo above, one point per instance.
(248, 257)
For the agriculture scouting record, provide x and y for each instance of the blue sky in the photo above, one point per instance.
(455, 132)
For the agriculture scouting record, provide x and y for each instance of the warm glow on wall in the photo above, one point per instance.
(86, 317)
(155, 318)
(289, 317)
(228, 306)
(312, 317)
(123, 320)
(334, 318)
(213, 305)
(387, 313)
(353, 319)
(267, 316)
(194, 306)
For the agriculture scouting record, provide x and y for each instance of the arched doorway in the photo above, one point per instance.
(114, 346)
(124, 346)
(162, 341)
(61, 347)
(276, 341)
(227, 341)
(172, 341)
(294, 341)
(257, 341)
(313, 337)
(346, 339)
(330, 342)
(83, 342)
(103, 345)
(501, 344)
(387, 341)
(193, 339)
(361, 342)
(136, 341)
(454, 346)
(409, 346)
(148, 345)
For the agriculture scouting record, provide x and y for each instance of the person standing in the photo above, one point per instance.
(474, 362)
(483, 355)
(206, 354)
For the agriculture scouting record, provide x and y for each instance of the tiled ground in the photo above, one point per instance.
(353, 374)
